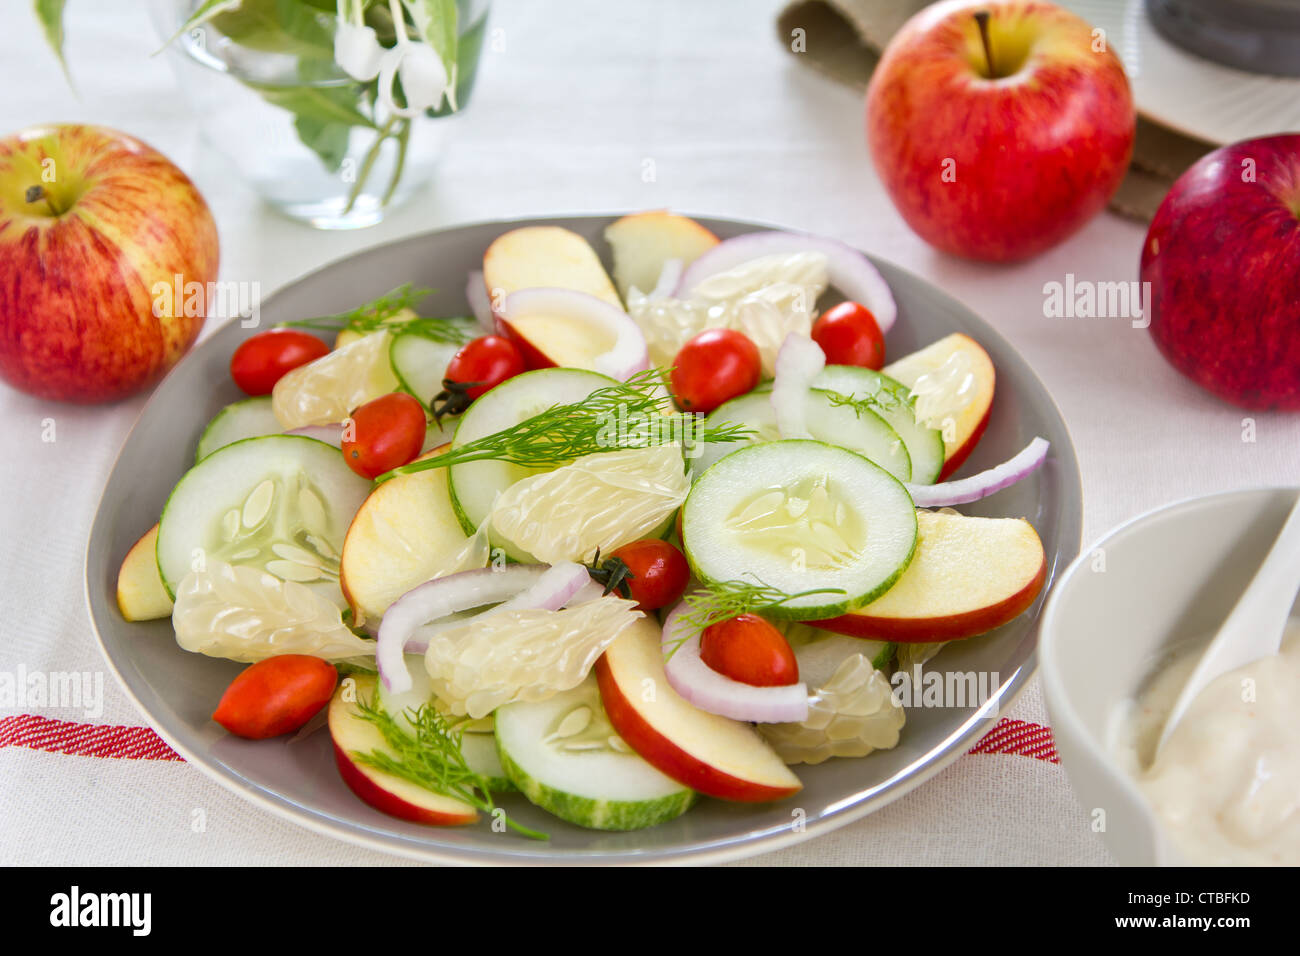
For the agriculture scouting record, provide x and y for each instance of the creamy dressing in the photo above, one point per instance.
(1226, 786)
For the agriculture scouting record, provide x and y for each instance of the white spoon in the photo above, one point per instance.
(1254, 628)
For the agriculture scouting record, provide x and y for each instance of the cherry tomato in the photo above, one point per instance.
(714, 367)
(264, 359)
(383, 434)
(479, 366)
(849, 335)
(657, 572)
(749, 649)
(276, 696)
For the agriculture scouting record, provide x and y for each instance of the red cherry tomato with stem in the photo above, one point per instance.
(656, 575)
(479, 367)
(264, 359)
(714, 367)
(849, 335)
(384, 434)
(276, 696)
(749, 649)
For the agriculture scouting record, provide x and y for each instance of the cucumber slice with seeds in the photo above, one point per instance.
(565, 757)
(924, 445)
(249, 418)
(281, 503)
(859, 430)
(798, 515)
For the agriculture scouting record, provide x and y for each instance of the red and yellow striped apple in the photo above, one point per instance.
(92, 224)
(999, 151)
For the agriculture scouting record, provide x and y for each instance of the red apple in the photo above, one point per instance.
(1000, 161)
(968, 576)
(713, 755)
(533, 257)
(352, 734)
(958, 386)
(93, 223)
(1223, 259)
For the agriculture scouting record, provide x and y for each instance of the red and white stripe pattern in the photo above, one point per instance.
(1017, 737)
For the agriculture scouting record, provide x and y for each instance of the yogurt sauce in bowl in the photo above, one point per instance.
(1226, 786)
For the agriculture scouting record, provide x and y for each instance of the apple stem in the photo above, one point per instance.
(36, 193)
(982, 18)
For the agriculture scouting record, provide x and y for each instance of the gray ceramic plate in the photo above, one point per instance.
(177, 691)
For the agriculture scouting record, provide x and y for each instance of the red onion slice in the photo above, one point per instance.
(331, 434)
(700, 685)
(966, 490)
(627, 356)
(479, 303)
(851, 272)
(669, 276)
(518, 586)
(798, 363)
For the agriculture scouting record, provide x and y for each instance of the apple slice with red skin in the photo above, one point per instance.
(968, 576)
(534, 257)
(404, 534)
(140, 592)
(353, 734)
(642, 242)
(962, 427)
(713, 755)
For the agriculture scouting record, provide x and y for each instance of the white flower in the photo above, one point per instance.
(424, 78)
(357, 51)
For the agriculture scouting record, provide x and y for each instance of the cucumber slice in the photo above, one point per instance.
(564, 756)
(924, 445)
(477, 744)
(281, 503)
(798, 515)
(249, 418)
(751, 410)
(857, 430)
(475, 485)
(420, 362)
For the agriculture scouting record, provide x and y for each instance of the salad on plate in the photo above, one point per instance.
(613, 542)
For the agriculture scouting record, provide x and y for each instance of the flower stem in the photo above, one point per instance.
(403, 138)
(368, 163)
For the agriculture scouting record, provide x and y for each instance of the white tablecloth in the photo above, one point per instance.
(574, 96)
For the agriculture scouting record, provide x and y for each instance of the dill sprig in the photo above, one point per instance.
(887, 397)
(393, 311)
(432, 759)
(631, 414)
(722, 600)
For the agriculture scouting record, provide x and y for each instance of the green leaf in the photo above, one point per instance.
(279, 26)
(322, 104)
(201, 15)
(50, 13)
(329, 141)
(435, 21)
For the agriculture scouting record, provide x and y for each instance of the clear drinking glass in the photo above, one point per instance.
(280, 110)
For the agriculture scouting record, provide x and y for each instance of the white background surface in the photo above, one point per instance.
(562, 120)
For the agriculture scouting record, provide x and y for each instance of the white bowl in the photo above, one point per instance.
(1118, 610)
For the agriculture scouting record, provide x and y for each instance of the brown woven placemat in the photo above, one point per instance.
(843, 39)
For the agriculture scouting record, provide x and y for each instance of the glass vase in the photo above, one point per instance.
(309, 139)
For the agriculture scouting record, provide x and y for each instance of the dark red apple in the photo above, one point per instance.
(999, 152)
(1223, 259)
(97, 234)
